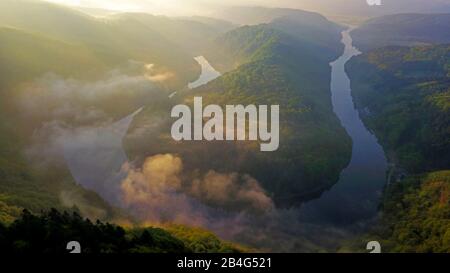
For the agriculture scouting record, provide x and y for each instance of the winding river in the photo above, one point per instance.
(96, 156)
(356, 196)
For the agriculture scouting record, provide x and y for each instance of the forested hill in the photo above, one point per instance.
(415, 216)
(266, 66)
(404, 97)
(314, 35)
(283, 70)
(308, 27)
(402, 30)
(262, 15)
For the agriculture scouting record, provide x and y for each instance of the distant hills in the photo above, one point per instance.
(190, 34)
(403, 30)
(26, 55)
(313, 33)
(167, 43)
(261, 15)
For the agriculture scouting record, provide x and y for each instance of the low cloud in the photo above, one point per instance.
(53, 97)
(232, 191)
(159, 192)
(72, 124)
(232, 205)
(155, 76)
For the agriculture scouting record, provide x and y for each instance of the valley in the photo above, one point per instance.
(357, 150)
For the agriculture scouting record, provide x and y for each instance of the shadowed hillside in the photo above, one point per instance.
(403, 30)
(403, 96)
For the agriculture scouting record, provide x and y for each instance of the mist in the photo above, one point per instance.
(232, 205)
(209, 7)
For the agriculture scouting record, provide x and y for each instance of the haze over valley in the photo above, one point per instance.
(87, 88)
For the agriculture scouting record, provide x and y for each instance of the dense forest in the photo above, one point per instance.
(415, 216)
(50, 232)
(402, 94)
(312, 32)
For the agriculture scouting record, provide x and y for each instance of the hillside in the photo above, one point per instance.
(314, 34)
(114, 40)
(26, 56)
(270, 68)
(190, 33)
(402, 30)
(414, 217)
(49, 233)
(76, 70)
(263, 15)
(403, 96)
(416, 214)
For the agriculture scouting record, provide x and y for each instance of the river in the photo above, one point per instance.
(95, 155)
(355, 198)
(208, 73)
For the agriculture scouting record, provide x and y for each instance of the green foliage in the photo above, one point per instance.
(403, 96)
(416, 214)
(312, 34)
(276, 69)
(240, 46)
(202, 241)
(51, 231)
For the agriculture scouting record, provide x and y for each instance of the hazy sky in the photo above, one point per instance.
(184, 7)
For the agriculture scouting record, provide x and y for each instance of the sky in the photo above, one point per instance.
(201, 7)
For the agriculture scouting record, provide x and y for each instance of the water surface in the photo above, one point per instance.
(356, 196)
(208, 73)
(95, 155)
